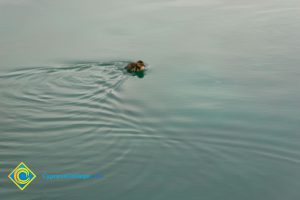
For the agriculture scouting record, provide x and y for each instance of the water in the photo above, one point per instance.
(216, 115)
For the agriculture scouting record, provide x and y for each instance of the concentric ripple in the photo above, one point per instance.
(64, 113)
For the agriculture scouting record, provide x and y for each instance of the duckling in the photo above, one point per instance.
(138, 66)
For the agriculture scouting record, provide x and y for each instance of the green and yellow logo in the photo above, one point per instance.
(22, 176)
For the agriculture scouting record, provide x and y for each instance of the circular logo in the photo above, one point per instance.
(21, 176)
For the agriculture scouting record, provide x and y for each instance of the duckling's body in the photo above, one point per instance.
(138, 66)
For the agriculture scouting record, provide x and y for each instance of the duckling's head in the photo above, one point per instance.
(141, 66)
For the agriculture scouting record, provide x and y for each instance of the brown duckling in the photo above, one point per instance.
(135, 66)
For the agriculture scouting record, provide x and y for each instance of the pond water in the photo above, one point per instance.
(216, 115)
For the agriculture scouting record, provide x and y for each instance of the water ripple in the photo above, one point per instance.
(74, 105)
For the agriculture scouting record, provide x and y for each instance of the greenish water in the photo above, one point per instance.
(216, 115)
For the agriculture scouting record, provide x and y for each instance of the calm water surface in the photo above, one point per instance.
(216, 115)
